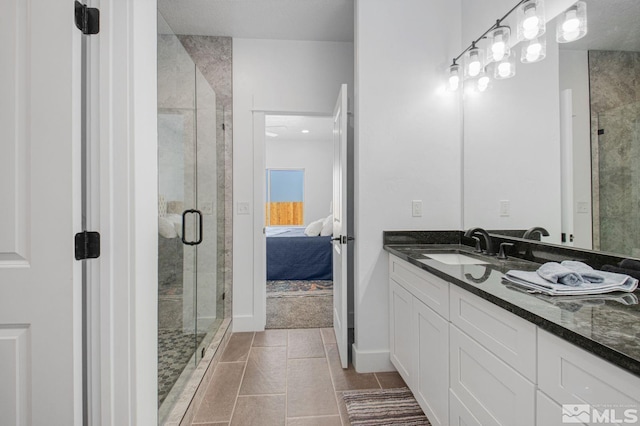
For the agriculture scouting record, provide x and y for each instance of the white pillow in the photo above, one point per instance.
(166, 228)
(313, 229)
(327, 226)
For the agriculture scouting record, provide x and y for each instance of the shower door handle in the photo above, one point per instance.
(184, 220)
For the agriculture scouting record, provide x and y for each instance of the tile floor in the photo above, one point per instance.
(283, 377)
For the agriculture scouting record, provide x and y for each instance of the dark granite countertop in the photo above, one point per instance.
(605, 325)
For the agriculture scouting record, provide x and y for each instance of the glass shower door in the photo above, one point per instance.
(190, 305)
(618, 180)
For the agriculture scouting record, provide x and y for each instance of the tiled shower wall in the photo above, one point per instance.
(614, 79)
(212, 56)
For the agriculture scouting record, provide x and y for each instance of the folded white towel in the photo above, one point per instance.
(557, 273)
(586, 272)
(535, 282)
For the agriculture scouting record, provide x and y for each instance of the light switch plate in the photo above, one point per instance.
(505, 208)
(243, 208)
(416, 208)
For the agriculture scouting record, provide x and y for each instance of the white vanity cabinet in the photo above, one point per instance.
(568, 374)
(420, 336)
(492, 360)
(470, 362)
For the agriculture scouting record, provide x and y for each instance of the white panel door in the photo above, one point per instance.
(40, 286)
(340, 228)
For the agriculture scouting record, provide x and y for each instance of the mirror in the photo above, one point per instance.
(530, 155)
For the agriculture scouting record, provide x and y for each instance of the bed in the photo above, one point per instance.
(291, 255)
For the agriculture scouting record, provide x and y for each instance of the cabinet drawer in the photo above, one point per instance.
(459, 415)
(571, 375)
(549, 412)
(431, 290)
(509, 337)
(494, 392)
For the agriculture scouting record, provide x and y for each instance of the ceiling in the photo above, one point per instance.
(611, 25)
(312, 20)
(290, 127)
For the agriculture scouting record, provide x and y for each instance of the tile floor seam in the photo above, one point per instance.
(244, 370)
(286, 381)
(262, 394)
(377, 380)
(333, 383)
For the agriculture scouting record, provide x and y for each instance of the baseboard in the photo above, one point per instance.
(371, 361)
(242, 323)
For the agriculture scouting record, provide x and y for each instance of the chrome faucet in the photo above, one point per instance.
(487, 239)
(528, 235)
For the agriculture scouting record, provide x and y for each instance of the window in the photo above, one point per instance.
(285, 197)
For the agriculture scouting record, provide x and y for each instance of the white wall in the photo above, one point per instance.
(407, 146)
(276, 76)
(316, 158)
(574, 75)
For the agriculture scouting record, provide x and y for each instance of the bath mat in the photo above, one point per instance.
(384, 407)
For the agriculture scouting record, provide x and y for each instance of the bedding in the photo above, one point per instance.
(291, 255)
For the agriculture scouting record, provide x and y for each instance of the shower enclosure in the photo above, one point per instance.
(617, 180)
(190, 278)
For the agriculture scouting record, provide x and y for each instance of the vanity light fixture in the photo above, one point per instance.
(506, 68)
(531, 21)
(573, 23)
(499, 43)
(453, 73)
(534, 50)
(474, 61)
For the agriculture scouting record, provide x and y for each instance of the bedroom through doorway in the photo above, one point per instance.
(298, 221)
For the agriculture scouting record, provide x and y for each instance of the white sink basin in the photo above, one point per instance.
(454, 259)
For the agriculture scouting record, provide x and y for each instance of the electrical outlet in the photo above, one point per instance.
(243, 208)
(583, 207)
(505, 208)
(416, 208)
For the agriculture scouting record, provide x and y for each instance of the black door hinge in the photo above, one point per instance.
(87, 245)
(223, 295)
(223, 128)
(87, 18)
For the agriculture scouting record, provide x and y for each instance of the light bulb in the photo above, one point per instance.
(504, 69)
(474, 68)
(531, 22)
(483, 83)
(498, 48)
(454, 77)
(533, 52)
(454, 82)
(572, 23)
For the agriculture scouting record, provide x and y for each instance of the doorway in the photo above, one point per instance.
(298, 221)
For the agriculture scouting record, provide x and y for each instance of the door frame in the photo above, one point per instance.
(122, 382)
(259, 185)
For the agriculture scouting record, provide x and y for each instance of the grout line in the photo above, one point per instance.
(286, 379)
(262, 394)
(377, 380)
(333, 384)
(235, 402)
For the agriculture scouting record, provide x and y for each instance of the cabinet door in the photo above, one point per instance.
(571, 375)
(549, 412)
(400, 332)
(431, 363)
(494, 392)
